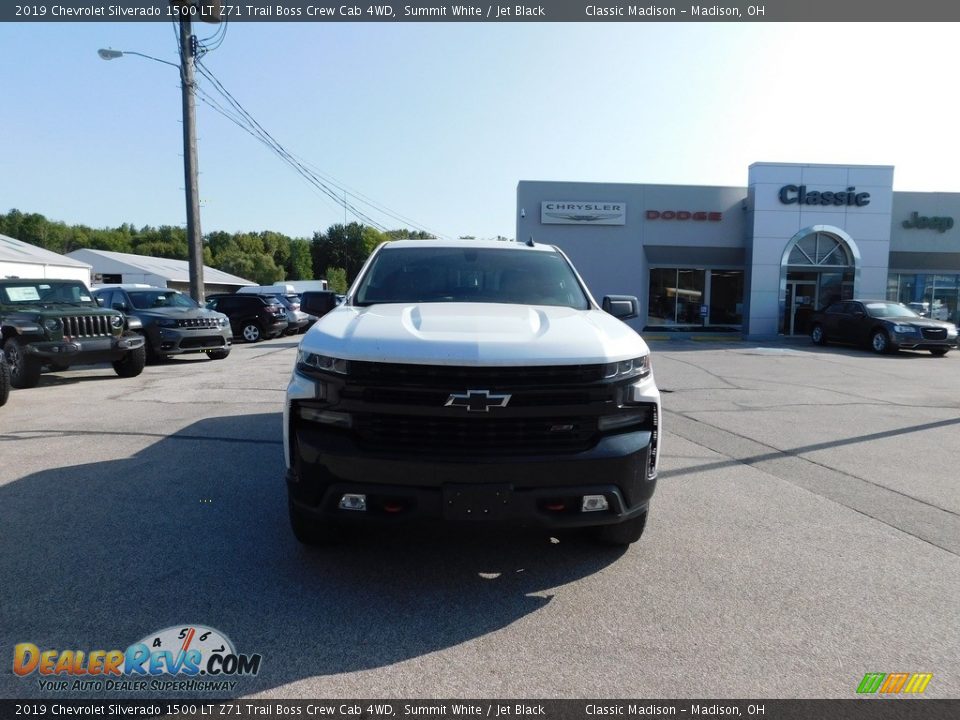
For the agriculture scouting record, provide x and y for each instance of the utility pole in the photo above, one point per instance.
(188, 51)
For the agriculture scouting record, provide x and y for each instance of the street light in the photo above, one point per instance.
(188, 47)
(111, 54)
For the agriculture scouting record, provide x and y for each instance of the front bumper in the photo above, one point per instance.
(544, 490)
(85, 351)
(176, 341)
(913, 341)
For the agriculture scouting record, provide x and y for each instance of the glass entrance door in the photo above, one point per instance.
(799, 306)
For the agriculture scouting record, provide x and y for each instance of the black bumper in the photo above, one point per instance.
(85, 351)
(544, 490)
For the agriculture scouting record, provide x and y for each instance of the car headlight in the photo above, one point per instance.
(223, 321)
(117, 321)
(905, 329)
(951, 331)
(51, 324)
(322, 362)
(166, 322)
(636, 367)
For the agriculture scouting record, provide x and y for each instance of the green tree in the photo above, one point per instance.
(336, 279)
(341, 246)
(371, 239)
(300, 265)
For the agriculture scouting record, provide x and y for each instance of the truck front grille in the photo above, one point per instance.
(86, 325)
(444, 376)
(447, 436)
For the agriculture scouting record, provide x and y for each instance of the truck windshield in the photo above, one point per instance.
(45, 292)
(144, 300)
(431, 274)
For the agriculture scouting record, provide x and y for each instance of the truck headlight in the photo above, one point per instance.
(636, 367)
(322, 362)
(166, 322)
(52, 324)
(116, 321)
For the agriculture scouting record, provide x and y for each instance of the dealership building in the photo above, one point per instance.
(755, 260)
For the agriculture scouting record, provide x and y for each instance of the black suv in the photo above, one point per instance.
(252, 317)
(58, 324)
(173, 323)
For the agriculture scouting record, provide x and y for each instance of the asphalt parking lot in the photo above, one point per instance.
(805, 531)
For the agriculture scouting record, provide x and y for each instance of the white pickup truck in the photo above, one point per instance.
(471, 381)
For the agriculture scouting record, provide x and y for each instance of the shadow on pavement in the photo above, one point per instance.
(193, 529)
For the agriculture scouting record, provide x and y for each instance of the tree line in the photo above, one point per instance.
(265, 257)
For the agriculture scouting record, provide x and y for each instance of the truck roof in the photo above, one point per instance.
(491, 244)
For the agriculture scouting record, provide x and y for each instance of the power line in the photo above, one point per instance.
(243, 119)
(253, 126)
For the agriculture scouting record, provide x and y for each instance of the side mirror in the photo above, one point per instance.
(318, 302)
(859, 314)
(622, 306)
(99, 301)
(121, 306)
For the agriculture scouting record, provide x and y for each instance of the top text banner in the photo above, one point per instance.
(547, 11)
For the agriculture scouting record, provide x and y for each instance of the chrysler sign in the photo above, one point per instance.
(582, 212)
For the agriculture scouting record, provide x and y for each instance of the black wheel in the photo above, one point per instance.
(880, 342)
(4, 382)
(218, 354)
(818, 336)
(252, 332)
(132, 363)
(24, 370)
(623, 533)
(938, 352)
(309, 530)
(152, 356)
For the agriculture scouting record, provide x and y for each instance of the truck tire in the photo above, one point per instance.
(623, 533)
(4, 383)
(309, 530)
(24, 370)
(132, 363)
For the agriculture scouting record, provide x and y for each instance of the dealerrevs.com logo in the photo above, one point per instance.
(179, 658)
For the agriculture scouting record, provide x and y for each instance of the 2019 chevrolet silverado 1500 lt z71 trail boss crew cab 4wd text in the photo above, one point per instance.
(471, 380)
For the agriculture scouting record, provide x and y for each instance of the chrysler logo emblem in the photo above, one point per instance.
(477, 400)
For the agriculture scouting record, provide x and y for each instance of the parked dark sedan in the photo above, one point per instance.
(884, 325)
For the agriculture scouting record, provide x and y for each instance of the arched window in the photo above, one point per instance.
(820, 249)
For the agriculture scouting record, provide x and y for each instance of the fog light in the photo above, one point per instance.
(594, 503)
(337, 419)
(352, 501)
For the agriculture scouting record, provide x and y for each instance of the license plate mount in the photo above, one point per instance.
(477, 502)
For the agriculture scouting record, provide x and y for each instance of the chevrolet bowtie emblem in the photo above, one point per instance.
(477, 400)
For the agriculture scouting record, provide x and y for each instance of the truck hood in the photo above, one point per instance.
(475, 334)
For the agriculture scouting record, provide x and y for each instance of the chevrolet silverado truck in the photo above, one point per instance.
(57, 324)
(471, 381)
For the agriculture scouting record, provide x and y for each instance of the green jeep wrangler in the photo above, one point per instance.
(57, 324)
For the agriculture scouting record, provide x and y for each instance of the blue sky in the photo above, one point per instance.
(438, 122)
